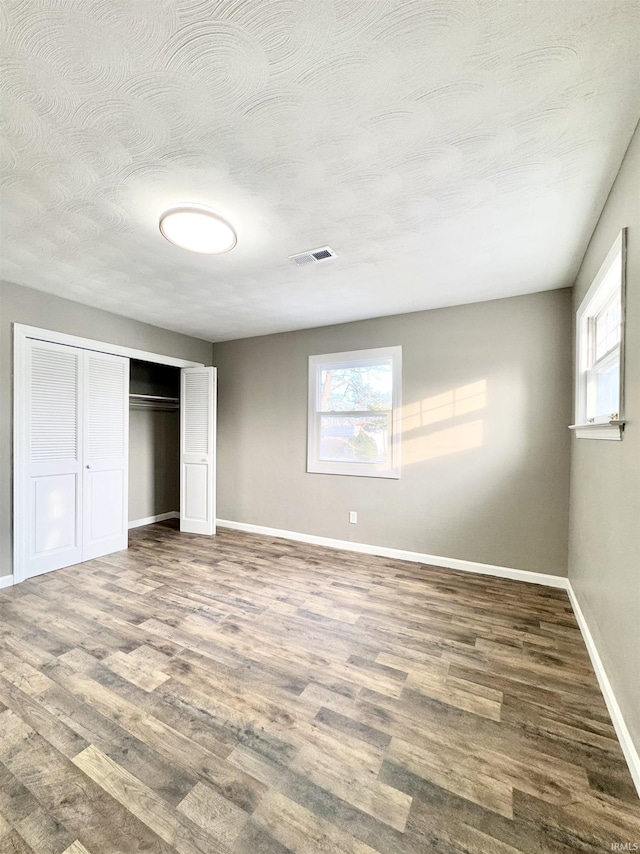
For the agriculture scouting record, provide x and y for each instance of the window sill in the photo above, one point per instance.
(352, 470)
(609, 430)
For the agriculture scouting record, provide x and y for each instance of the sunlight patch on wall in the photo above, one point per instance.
(440, 407)
(450, 440)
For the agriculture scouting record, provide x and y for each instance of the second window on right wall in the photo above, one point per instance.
(600, 351)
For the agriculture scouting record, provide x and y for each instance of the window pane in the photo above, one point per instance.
(607, 330)
(362, 438)
(604, 391)
(355, 388)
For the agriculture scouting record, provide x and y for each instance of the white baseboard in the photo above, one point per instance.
(6, 581)
(622, 731)
(138, 523)
(400, 554)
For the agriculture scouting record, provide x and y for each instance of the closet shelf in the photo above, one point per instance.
(154, 401)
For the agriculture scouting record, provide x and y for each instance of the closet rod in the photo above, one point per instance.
(153, 401)
(158, 397)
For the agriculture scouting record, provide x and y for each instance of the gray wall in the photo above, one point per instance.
(604, 551)
(488, 485)
(23, 305)
(154, 463)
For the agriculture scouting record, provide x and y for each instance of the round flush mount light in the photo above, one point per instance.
(198, 229)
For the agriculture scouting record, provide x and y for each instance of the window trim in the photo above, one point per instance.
(594, 301)
(345, 359)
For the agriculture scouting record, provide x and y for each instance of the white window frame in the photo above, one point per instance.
(603, 289)
(341, 360)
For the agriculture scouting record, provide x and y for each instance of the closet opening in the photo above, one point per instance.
(105, 438)
(154, 443)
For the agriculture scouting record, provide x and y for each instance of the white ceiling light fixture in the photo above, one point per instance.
(198, 229)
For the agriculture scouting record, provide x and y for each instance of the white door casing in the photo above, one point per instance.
(198, 450)
(50, 491)
(105, 459)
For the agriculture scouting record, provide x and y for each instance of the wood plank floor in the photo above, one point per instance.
(251, 695)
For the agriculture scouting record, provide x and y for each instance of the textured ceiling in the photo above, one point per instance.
(448, 150)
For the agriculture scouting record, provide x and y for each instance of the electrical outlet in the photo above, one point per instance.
(353, 517)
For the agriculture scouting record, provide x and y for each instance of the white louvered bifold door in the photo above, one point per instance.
(50, 475)
(105, 454)
(198, 451)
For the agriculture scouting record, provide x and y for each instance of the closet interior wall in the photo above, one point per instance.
(154, 440)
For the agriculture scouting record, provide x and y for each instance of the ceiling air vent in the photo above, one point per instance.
(314, 255)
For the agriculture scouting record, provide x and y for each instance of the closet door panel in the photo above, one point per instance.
(106, 445)
(105, 495)
(196, 497)
(55, 513)
(50, 488)
(198, 450)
